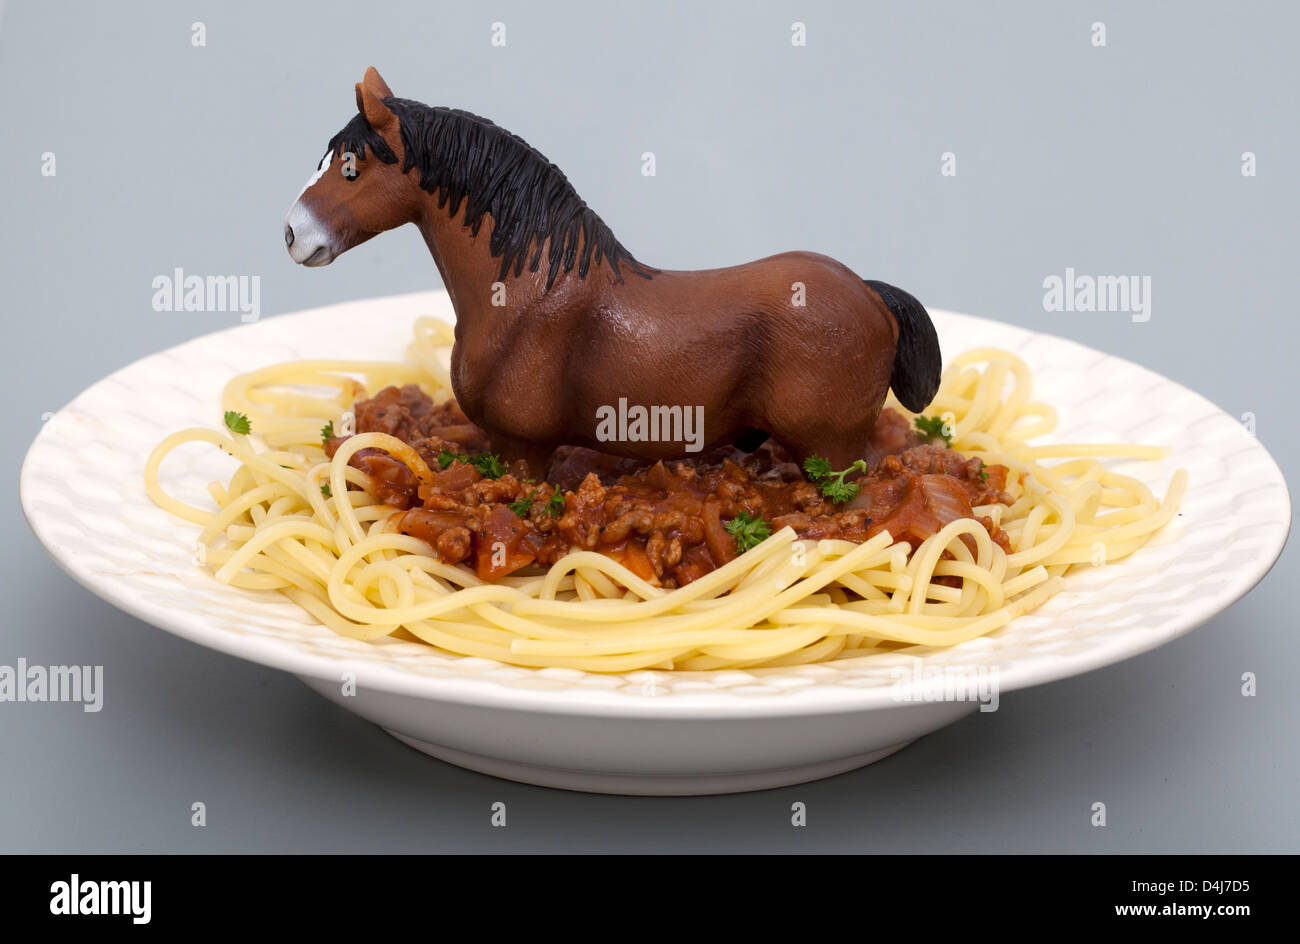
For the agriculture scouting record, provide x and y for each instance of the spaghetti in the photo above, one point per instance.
(288, 521)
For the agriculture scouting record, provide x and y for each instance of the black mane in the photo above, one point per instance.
(463, 157)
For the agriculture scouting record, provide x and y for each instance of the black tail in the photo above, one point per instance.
(917, 360)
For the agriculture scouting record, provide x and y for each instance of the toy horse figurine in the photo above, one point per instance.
(556, 323)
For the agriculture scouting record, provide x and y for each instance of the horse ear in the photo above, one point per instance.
(376, 84)
(376, 113)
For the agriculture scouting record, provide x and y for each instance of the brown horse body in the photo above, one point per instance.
(795, 346)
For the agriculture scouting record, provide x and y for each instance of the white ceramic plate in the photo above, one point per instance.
(644, 732)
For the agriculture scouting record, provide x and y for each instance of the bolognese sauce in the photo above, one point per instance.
(668, 522)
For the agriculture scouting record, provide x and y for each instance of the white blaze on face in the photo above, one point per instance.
(310, 239)
(320, 172)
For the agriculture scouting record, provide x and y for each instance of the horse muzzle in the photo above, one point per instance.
(305, 241)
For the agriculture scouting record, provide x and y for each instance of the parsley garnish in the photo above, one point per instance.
(748, 532)
(817, 468)
(489, 465)
(237, 422)
(984, 476)
(524, 505)
(325, 489)
(554, 505)
(832, 484)
(933, 428)
(327, 432)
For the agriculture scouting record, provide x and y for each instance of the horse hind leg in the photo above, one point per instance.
(837, 428)
(834, 419)
(841, 448)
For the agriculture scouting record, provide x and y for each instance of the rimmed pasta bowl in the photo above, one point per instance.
(651, 731)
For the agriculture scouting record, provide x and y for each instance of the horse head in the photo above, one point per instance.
(360, 188)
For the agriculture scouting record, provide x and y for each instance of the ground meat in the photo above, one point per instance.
(665, 521)
(411, 415)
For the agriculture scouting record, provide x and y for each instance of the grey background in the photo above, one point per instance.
(1124, 159)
